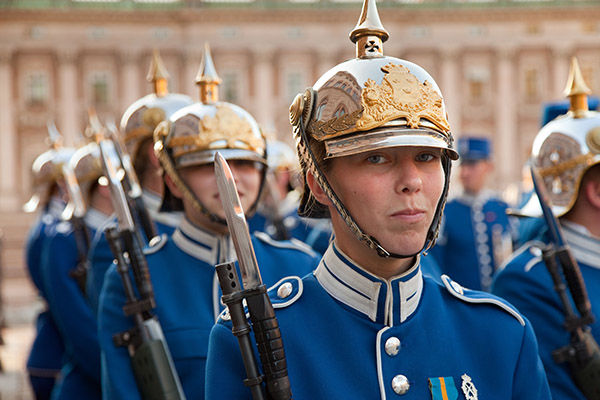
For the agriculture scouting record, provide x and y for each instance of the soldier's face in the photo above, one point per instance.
(202, 181)
(473, 175)
(391, 193)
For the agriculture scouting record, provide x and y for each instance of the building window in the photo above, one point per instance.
(37, 89)
(477, 81)
(294, 84)
(532, 85)
(100, 89)
(230, 87)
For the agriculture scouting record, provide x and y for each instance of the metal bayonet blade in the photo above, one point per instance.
(236, 221)
(544, 199)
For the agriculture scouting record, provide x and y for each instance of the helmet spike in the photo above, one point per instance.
(369, 34)
(158, 75)
(207, 79)
(577, 90)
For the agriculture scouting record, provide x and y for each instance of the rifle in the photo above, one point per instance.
(582, 353)
(74, 213)
(264, 322)
(151, 359)
(131, 185)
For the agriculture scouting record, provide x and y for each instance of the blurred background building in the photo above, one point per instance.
(496, 62)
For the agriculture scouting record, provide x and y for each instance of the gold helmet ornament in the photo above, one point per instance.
(46, 170)
(566, 147)
(369, 102)
(193, 135)
(141, 118)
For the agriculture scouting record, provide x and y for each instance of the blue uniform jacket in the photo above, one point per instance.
(188, 301)
(351, 335)
(314, 232)
(467, 250)
(47, 351)
(526, 283)
(100, 256)
(80, 375)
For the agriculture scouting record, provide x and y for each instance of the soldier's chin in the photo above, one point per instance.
(404, 247)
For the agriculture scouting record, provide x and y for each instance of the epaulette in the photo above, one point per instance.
(282, 294)
(293, 243)
(477, 297)
(533, 249)
(156, 244)
(63, 227)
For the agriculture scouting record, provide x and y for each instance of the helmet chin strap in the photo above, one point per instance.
(369, 240)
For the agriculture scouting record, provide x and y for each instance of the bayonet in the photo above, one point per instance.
(262, 314)
(236, 221)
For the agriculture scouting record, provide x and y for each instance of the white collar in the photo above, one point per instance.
(206, 246)
(387, 301)
(95, 219)
(585, 247)
(152, 202)
(56, 207)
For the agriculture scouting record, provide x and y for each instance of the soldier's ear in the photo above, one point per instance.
(592, 192)
(316, 190)
(152, 157)
(173, 187)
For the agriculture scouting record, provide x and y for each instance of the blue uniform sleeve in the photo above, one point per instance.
(118, 380)
(530, 380)
(69, 308)
(224, 367)
(531, 292)
(100, 258)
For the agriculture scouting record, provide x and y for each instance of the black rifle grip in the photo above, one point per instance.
(139, 265)
(575, 282)
(269, 343)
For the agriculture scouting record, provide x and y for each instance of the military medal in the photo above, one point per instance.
(443, 388)
(468, 388)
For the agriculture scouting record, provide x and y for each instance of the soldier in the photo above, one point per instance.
(376, 149)
(63, 281)
(476, 233)
(566, 154)
(47, 351)
(182, 265)
(137, 125)
(277, 213)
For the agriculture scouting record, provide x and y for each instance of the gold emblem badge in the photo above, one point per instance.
(468, 388)
(400, 95)
(225, 130)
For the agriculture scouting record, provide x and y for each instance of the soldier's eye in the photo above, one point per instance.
(376, 159)
(425, 157)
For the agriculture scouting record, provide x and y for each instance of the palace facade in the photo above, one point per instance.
(496, 62)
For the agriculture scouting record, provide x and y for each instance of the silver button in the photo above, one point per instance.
(285, 290)
(392, 346)
(400, 384)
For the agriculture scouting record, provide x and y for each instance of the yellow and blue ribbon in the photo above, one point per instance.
(443, 388)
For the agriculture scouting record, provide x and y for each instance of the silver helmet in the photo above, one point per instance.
(193, 135)
(566, 147)
(369, 102)
(141, 118)
(46, 170)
